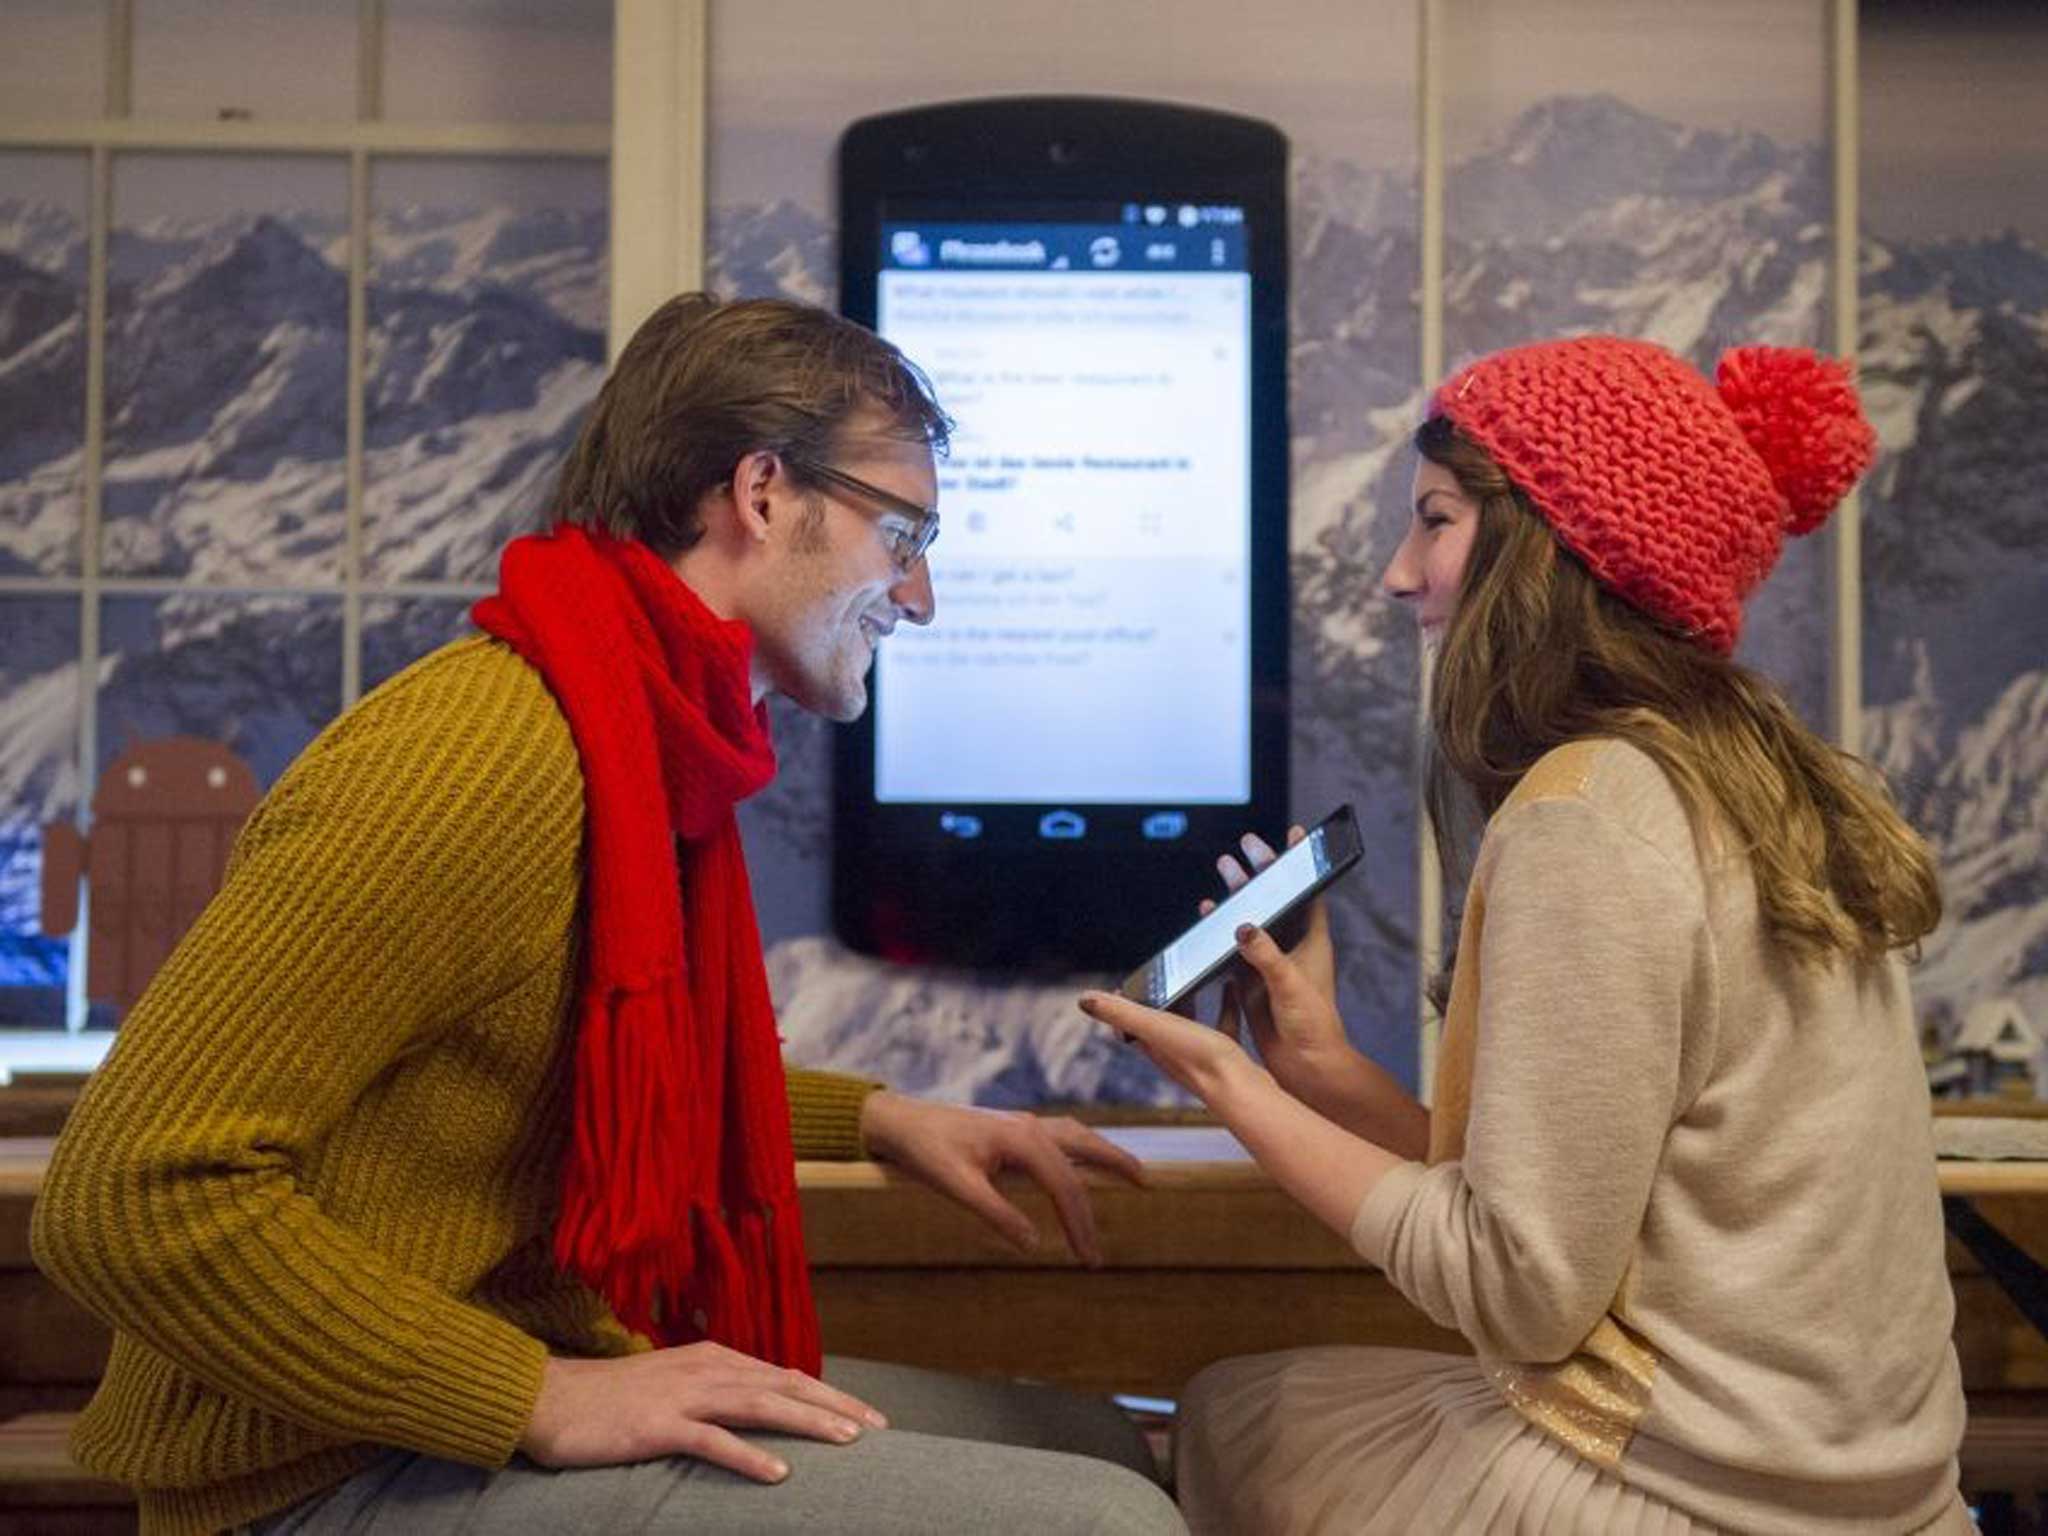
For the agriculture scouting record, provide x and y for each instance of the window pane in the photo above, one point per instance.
(786, 78)
(475, 61)
(227, 371)
(261, 675)
(487, 304)
(398, 631)
(1955, 541)
(1642, 169)
(39, 714)
(258, 676)
(231, 59)
(43, 200)
(54, 64)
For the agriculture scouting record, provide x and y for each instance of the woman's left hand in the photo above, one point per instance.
(1327, 1168)
(1207, 1062)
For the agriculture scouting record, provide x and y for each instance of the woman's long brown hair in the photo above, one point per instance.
(1538, 653)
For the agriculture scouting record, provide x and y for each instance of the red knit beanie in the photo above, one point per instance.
(1676, 493)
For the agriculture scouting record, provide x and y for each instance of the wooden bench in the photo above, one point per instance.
(1213, 1260)
(1209, 1260)
(35, 1108)
(43, 1492)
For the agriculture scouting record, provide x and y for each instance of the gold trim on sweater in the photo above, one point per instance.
(1594, 1399)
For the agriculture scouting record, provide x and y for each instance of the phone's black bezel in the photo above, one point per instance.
(1012, 899)
(1344, 817)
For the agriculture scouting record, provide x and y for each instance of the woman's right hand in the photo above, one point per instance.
(678, 1402)
(1300, 1038)
(1299, 1034)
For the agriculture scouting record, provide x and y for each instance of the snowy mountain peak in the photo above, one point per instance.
(1570, 125)
(258, 261)
(1570, 156)
(32, 302)
(43, 235)
(1327, 190)
(1997, 782)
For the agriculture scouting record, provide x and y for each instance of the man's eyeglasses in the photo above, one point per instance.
(908, 527)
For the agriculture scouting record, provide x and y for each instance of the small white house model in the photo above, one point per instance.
(1948, 1078)
(1996, 1046)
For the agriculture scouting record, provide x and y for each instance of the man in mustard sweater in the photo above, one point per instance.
(444, 1176)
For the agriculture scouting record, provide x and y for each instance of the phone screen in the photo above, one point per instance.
(1202, 950)
(1094, 578)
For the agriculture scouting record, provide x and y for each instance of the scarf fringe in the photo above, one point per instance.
(674, 1268)
(624, 1226)
(765, 1241)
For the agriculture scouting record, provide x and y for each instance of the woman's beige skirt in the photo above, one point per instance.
(1358, 1441)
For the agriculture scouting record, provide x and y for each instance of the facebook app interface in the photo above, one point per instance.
(1093, 583)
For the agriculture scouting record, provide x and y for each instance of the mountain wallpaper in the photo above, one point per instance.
(226, 374)
(1587, 214)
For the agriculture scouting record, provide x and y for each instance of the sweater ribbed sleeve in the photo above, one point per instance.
(824, 1114)
(395, 882)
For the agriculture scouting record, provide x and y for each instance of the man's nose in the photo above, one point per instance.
(912, 594)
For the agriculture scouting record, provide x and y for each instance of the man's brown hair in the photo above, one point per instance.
(704, 383)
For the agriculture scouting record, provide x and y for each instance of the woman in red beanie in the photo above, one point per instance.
(1676, 1184)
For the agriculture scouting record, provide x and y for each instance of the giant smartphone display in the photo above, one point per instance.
(1097, 290)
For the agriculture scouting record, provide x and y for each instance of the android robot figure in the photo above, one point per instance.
(163, 819)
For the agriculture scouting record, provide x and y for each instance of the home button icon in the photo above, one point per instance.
(1062, 826)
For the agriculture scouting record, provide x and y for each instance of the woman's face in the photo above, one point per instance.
(1429, 567)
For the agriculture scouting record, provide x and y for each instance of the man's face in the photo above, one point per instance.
(833, 590)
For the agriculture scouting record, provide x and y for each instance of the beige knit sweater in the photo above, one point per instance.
(1681, 1194)
(312, 1188)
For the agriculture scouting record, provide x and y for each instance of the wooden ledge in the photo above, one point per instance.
(36, 1469)
(1204, 1206)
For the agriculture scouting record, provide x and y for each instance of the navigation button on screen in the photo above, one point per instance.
(1062, 825)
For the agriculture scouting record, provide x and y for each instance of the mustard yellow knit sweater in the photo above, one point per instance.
(313, 1185)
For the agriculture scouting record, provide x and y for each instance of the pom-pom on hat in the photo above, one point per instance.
(1675, 492)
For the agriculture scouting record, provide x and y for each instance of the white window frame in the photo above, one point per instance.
(358, 142)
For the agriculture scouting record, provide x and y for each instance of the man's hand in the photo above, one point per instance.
(958, 1150)
(675, 1402)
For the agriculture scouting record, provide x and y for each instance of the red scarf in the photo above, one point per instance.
(679, 1200)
